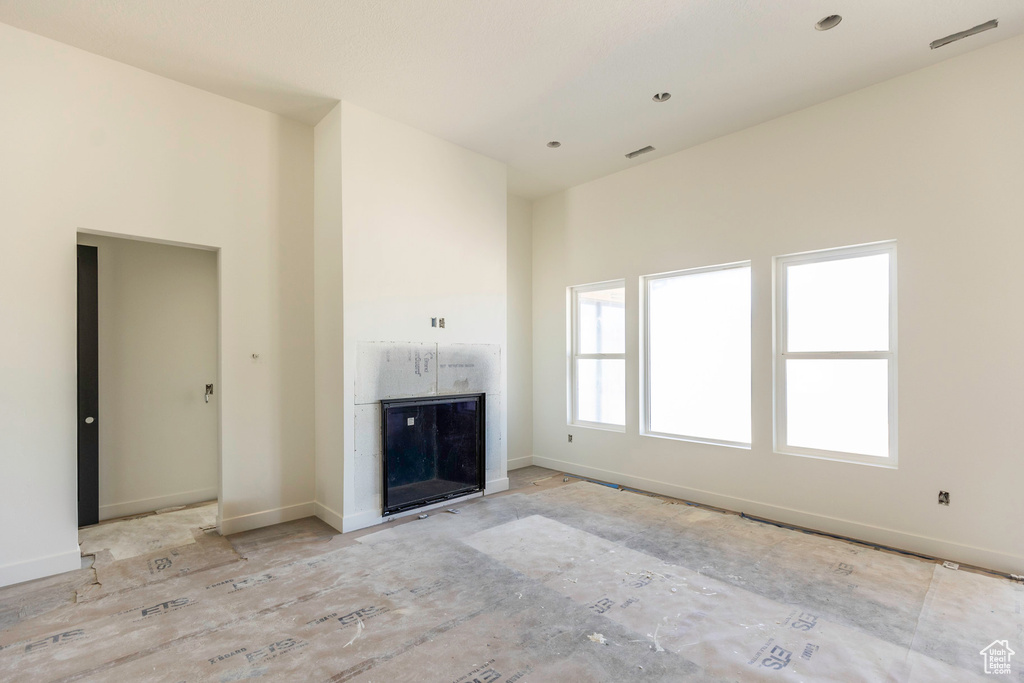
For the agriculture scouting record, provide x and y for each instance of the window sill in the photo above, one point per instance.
(599, 426)
(888, 463)
(693, 439)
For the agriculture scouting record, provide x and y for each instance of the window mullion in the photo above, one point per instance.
(837, 355)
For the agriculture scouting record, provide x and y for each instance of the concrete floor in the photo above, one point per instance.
(552, 581)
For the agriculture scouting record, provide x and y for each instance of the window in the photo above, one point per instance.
(836, 354)
(598, 364)
(697, 373)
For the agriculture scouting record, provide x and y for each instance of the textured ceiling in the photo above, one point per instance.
(505, 77)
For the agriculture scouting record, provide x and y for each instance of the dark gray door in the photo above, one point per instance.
(88, 389)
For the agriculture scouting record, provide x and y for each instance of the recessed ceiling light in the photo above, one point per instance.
(831, 21)
(662, 97)
(554, 143)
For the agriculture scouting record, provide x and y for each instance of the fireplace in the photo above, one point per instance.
(433, 450)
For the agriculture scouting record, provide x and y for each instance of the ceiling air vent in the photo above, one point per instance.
(638, 152)
(964, 34)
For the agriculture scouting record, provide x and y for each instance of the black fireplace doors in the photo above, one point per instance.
(433, 450)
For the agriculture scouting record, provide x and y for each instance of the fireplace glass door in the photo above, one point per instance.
(433, 450)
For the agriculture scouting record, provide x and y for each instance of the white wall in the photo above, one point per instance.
(157, 351)
(520, 332)
(329, 319)
(91, 144)
(423, 235)
(934, 159)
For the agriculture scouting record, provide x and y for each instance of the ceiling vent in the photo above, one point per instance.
(638, 152)
(980, 28)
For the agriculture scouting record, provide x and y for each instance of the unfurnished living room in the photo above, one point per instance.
(511, 341)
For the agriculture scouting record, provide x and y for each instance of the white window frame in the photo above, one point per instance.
(781, 263)
(646, 334)
(575, 355)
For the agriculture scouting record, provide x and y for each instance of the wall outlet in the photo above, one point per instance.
(440, 322)
(570, 438)
(943, 497)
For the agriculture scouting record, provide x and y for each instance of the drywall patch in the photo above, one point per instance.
(468, 368)
(394, 370)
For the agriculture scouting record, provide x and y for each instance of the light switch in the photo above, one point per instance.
(411, 421)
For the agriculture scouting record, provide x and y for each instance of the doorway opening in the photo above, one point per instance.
(148, 376)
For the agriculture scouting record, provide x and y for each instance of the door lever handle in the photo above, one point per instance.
(209, 392)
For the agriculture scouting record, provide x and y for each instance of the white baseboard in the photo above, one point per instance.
(933, 547)
(517, 463)
(256, 520)
(329, 516)
(135, 507)
(360, 520)
(496, 486)
(40, 567)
